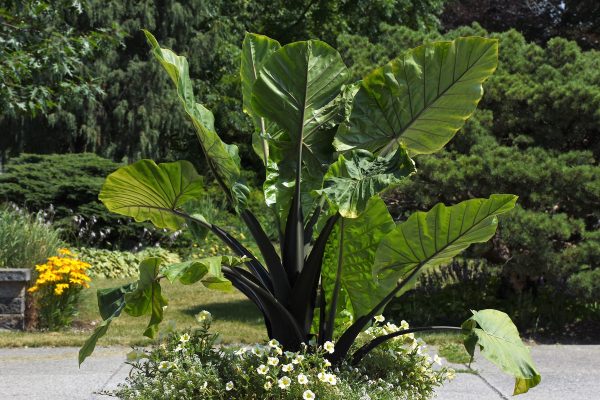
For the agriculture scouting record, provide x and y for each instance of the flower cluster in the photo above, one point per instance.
(57, 287)
(61, 272)
(190, 365)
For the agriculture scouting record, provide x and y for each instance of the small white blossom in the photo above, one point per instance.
(322, 376)
(299, 358)
(229, 386)
(273, 343)
(287, 367)
(272, 361)
(308, 395)
(379, 318)
(164, 366)
(302, 379)
(329, 347)
(331, 379)
(326, 363)
(437, 359)
(284, 382)
(240, 352)
(268, 385)
(184, 338)
(204, 316)
(262, 369)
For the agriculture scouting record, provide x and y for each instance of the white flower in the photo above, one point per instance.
(326, 363)
(284, 382)
(268, 385)
(229, 386)
(164, 366)
(184, 338)
(205, 385)
(329, 347)
(437, 359)
(203, 316)
(379, 318)
(450, 374)
(299, 358)
(308, 395)
(257, 351)
(287, 367)
(331, 379)
(262, 369)
(289, 354)
(403, 325)
(273, 343)
(178, 348)
(302, 379)
(322, 376)
(272, 361)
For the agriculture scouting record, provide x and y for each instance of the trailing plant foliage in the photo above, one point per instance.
(331, 147)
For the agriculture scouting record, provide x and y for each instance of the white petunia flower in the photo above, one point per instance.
(308, 395)
(203, 316)
(262, 369)
(268, 385)
(287, 367)
(272, 361)
(229, 386)
(326, 363)
(403, 325)
(379, 318)
(184, 338)
(322, 376)
(302, 379)
(284, 382)
(273, 343)
(164, 366)
(240, 352)
(257, 351)
(437, 359)
(329, 347)
(299, 358)
(178, 348)
(331, 379)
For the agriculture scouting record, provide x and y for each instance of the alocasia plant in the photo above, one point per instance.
(330, 147)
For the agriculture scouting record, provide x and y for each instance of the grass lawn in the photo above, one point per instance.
(235, 317)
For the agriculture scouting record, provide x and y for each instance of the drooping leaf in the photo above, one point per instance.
(111, 299)
(207, 270)
(499, 342)
(255, 50)
(90, 344)
(147, 297)
(351, 251)
(434, 237)
(223, 159)
(147, 191)
(421, 99)
(359, 175)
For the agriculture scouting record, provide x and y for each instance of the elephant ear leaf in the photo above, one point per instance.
(150, 192)
(206, 270)
(499, 342)
(359, 175)
(421, 99)
(223, 159)
(428, 239)
(255, 50)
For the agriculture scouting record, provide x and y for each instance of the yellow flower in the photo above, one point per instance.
(65, 252)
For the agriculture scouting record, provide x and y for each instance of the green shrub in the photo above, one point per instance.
(188, 365)
(25, 240)
(121, 264)
(65, 188)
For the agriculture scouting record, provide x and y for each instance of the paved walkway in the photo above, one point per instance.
(568, 373)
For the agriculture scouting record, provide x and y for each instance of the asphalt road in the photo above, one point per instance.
(568, 373)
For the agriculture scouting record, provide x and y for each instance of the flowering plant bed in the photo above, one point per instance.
(189, 365)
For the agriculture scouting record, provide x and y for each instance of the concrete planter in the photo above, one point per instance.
(13, 285)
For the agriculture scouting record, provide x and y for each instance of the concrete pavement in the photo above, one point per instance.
(568, 373)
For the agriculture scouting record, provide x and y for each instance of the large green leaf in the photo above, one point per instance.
(351, 252)
(359, 175)
(499, 342)
(255, 50)
(146, 191)
(297, 89)
(432, 238)
(222, 158)
(420, 99)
